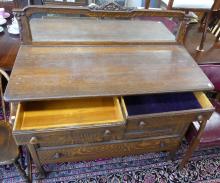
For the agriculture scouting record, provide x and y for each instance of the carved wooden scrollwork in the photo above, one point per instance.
(110, 6)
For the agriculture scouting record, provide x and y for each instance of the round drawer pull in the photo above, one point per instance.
(33, 140)
(142, 124)
(57, 155)
(107, 133)
(200, 118)
(162, 144)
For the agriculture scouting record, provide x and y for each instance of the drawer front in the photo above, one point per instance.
(108, 150)
(67, 136)
(171, 124)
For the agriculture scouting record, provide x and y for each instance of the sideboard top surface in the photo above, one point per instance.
(62, 72)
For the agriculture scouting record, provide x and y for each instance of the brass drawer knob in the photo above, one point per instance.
(199, 118)
(142, 124)
(107, 133)
(57, 155)
(33, 140)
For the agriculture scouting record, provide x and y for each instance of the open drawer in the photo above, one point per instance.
(164, 114)
(68, 121)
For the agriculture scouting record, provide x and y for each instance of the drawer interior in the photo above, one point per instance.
(62, 113)
(158, 103)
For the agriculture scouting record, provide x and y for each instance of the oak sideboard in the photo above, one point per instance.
(103, 84)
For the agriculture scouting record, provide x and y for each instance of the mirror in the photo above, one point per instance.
(80, 28)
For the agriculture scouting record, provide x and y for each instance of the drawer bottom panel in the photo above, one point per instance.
(105, 150)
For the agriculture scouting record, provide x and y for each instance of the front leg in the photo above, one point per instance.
(35, 158)
(195, 142)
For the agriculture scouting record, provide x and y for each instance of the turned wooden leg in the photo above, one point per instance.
(147, 4)
(202, 22)
(201, 46)
(170, 4)
(30, 2)
(194, 144)
(21, 171)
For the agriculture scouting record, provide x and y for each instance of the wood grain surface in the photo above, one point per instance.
(75, 72)
(105, 150)
(70, 134)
